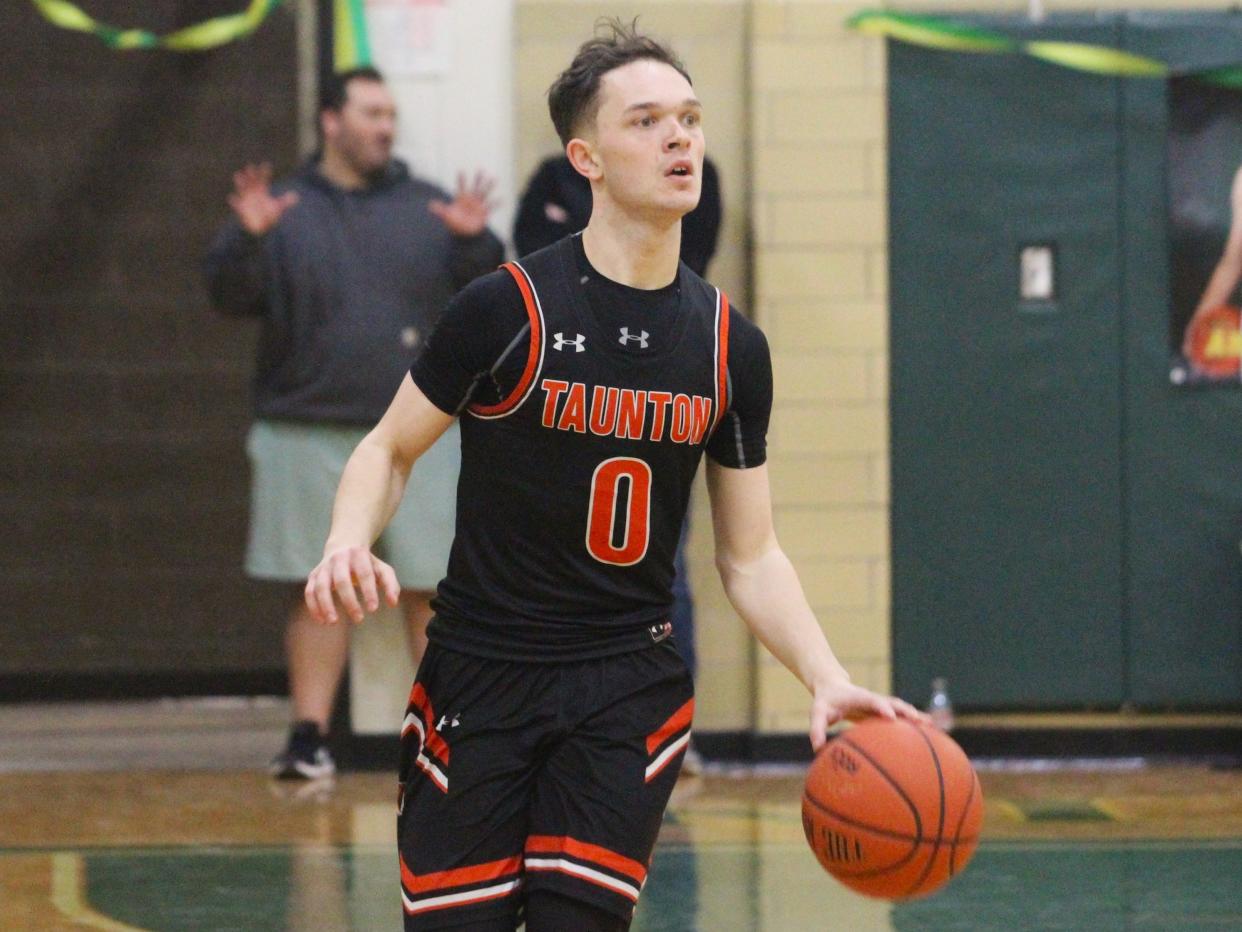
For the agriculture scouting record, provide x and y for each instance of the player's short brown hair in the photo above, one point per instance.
(574, 95)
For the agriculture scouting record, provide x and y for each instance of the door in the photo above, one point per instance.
(1006, 412)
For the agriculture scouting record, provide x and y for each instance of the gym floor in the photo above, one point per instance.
(158, 816)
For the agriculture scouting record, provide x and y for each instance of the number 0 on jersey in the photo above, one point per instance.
(617, 531)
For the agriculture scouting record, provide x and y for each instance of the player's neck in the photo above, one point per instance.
(339, 171)
(641, 255)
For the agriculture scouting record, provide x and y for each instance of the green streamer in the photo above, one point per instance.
(931, 32)
(1230, 77)
(938, 33)
(350, 46)
(196, 38)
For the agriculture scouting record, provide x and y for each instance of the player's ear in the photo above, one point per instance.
(582, 157)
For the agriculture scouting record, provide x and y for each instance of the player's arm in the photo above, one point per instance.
(763, 587)
(370, 491)
(478, 325)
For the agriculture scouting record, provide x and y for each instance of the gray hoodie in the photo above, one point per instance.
(349, 285)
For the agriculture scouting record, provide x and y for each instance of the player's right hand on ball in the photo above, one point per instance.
(349, 580)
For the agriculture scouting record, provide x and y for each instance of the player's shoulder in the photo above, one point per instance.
(747, 343)
(482, 319)
(743, 328)
(743, 332)
(496, 290)
(547, 260)
(746, 338)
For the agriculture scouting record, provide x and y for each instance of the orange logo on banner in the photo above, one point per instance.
(1215, 342)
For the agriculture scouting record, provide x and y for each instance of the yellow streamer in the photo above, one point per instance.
(921, 35)
(1097, 59)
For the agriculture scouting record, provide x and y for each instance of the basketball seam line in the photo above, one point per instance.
(914, 810)
(874, 871)
(931, 858)
(974, 782)
(884, 833)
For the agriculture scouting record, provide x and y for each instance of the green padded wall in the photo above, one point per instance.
(1065, 523)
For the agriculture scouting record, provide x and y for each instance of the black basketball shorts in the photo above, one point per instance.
(524, 776)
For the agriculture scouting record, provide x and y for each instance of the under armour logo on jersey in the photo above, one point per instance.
(626, 337)
(577, 344)
(445, 719)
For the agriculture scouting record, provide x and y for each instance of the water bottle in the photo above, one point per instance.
(940, 708)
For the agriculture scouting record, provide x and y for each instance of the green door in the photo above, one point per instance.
(1065, 522)
(1006, 413)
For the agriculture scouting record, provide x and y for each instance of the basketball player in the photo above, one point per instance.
(545, 727)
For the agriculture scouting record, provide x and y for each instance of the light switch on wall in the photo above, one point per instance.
(1037, 272)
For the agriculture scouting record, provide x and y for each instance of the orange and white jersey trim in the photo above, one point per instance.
(722, 356)
(534, 354)
(592, 863)
(669, 740)
(420, 718)
(422, 893)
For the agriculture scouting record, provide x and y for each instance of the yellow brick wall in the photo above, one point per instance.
(818, 198)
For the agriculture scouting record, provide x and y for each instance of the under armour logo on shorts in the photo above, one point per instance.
(626, 337)
(660, 631)
(577, 344)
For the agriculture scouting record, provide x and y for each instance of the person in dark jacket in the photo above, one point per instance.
(348, 264)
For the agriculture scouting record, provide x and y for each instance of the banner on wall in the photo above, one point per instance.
(410, 37)
(1205, 233)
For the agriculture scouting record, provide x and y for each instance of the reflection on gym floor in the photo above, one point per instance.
(1157, 848)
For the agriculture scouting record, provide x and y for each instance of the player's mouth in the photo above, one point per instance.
(683, 168)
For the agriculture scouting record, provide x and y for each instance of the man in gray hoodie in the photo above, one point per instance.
(348, 263)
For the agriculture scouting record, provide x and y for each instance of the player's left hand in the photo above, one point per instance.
(844, 700)
(466, 214)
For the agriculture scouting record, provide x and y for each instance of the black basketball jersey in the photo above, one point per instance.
(575, 484)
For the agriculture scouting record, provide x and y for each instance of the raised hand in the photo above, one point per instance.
(252, 201)
(466, 214)
(352, 579)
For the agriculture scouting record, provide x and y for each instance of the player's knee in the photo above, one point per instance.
(551, 912)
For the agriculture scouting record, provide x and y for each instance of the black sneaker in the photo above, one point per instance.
(305, 758)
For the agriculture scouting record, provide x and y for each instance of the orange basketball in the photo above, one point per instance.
(1214, 342)
(892, 809)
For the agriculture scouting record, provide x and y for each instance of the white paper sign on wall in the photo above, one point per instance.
(410, 37)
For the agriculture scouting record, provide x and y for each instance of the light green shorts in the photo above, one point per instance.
(294, 471)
